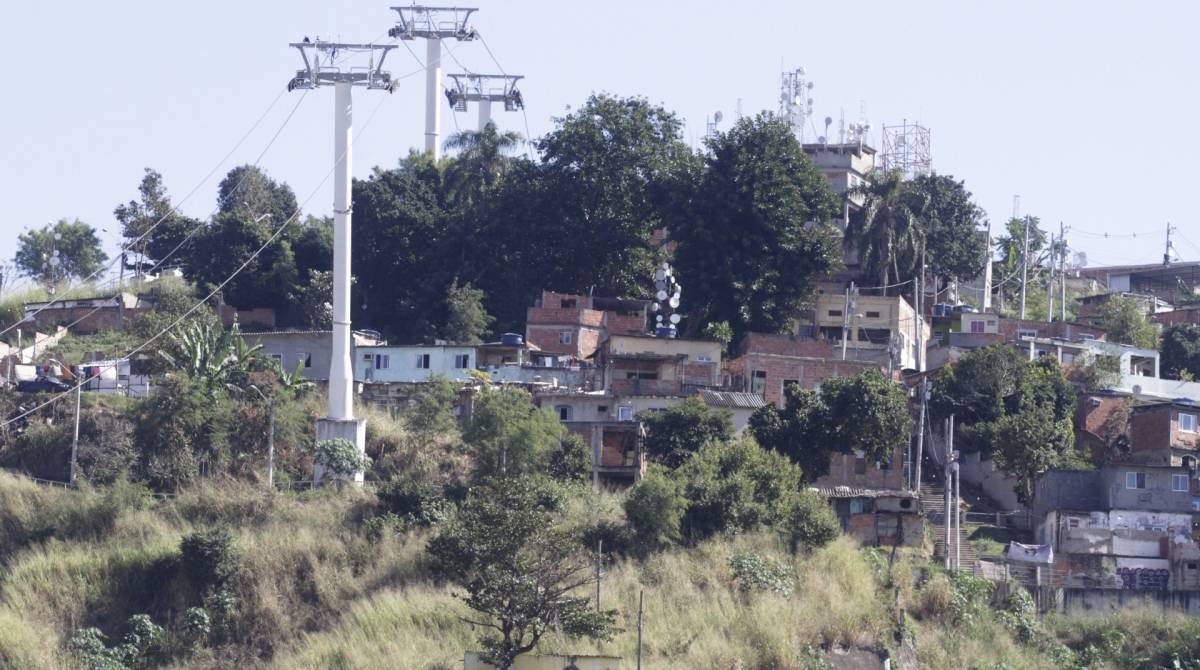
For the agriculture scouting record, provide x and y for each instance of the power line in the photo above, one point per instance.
(274, 236)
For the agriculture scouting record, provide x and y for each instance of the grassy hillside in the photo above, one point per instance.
(321, 584)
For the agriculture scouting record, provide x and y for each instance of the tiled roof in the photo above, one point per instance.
(732, 399)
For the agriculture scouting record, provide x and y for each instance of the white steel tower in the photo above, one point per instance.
(340, 423)
(484, 89)
(433, 24)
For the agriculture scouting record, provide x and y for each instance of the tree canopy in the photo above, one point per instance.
(60, 252)
(1181, 351)
(1124, 319)
(674, 434)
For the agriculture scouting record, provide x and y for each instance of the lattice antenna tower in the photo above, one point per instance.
(906, 148)
(667, 294)
(712, 124)
(433, 24)
(795, 99)
(484, 89)
(340, 422)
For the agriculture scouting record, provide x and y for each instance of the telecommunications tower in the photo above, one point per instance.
(906, 148)
(433, 24)
(795, 100)
(340, 422)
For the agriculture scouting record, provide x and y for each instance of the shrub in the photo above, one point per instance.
(572, 461)
(142, 643)
(674, 434)
(1020, 615)
(616, 539)
(209, 558)
(811, 524)
(654, 510)
(415, 503)
(755, 572)
(968, 598)
(196, 626)
(340, 456)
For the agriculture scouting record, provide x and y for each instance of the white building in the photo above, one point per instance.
(413, 362)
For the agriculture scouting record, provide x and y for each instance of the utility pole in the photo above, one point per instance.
(1050, 283)
(433, 24)
(1062, 270)
(946, 475)
(846, 320)
(340, 423)
(75, 437)
(1167, 251)
(957, 515)
(986, 303)
(485, 89)
(641, 615)
(921, 433)
(599, 566)
(1024, 267)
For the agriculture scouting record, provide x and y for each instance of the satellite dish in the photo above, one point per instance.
(660, 275)
(828, 121)
(718, 116)
(661, 295)
(801, 71)
(796, 100)
(658, 318)
(675, 319)
(673, 302)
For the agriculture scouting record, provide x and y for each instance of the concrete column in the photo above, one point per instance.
(485, 113)
(433, 96)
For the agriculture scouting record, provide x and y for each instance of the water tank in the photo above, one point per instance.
(665, 331)
(512, 339)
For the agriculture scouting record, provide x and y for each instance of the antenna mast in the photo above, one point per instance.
(433, 24)
(340, 423)
(484, 89)
(906, 148)
(795, 101)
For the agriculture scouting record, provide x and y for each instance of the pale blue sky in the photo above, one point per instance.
(1085, 109)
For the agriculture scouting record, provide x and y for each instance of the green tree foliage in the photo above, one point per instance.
(886, 230)
(340, 456)
(480, 162)
(1181, 351)
(311, 300)
(674, 434)
(811, 523)
(976, 387)
(211, 356)
(510, 435)
(209, 558)
(467, 321)
(1124, 319)
(654, 510)
(954, 244)
(865, 412)
(735, 486)
(150, 226)
(521, 573)
(432, 411)
(58, 253)
(759, 233)
(572, 461)
(178, 429)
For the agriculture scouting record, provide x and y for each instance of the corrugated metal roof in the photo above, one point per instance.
(732, 399)
(857, 492)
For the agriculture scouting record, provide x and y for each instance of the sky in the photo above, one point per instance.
(1078, 107)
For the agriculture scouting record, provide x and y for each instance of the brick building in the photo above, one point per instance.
(870, 500)
(767, 363)
(646, 365)
(574, 325)
(1165, 433)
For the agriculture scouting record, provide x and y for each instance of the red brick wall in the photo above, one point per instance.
(1189, 315)
(618, 324)
(809, 372)
(841, 473)
(1150, 431)
(1060, 329)
(1092, 417)
(584, 341)
(785, 345)
(105, 318)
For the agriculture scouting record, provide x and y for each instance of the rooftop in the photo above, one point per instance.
(732, 399)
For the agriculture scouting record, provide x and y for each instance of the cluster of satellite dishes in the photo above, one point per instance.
(666, 300)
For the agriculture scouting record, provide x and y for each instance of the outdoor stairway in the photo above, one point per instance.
(933, 505)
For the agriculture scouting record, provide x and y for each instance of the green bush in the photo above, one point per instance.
(415, 503)
(755, 572)
(654, 510)
(572, 461)
(811, 523)
(209, 558)
(340, 457)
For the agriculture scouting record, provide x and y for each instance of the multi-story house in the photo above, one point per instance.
(413, 362)
(309, 349)
(766, 364)
(878, 328)
(871, 501)
(574, 325)
(632, 365)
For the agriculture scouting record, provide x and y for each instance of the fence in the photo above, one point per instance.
(1017, 520)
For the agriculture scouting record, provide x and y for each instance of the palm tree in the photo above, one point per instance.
(886, 229)
(480, 162)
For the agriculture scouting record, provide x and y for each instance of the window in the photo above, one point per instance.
(624, 413)
(1087, 337)
(787, 383)
(564, 337)
(568, 303)
(564, 412)
(1135, 480)
(383, 361)
(758, 382)
(860, 463)
(277, 357)
(872, 315)
(307, 358)
(1073, 523)
(1068, 358)
(462, 361)
(835, 312)
(1179, 483)
(602, 409)
(422, 361)
(1026, 333)
(977, 327)
(1187, 422)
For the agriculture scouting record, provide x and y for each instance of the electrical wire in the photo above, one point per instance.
(524, 114)
(274, 236)
(174, 210)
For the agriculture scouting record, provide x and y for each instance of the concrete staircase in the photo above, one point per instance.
(933, 505)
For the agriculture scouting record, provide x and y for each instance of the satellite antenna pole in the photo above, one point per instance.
(1024, 266)
(987, 272)
(795, 103)
(1167, 251)
(1062, 270)
(484, 89)
(433, 24)
(340, 422)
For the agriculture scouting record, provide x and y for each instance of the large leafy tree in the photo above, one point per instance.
(467, 320)
(1181, 351)
(509, 435)
(954, 245)
(886, 230)
(521, 572)
(759, 234)
(865, 412)
(60, 252)
(1124, 320)
(674, 434)
(153, 230)
(481, 160)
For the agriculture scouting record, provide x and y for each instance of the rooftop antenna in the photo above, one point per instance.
(795, 99)
(667, 292)
(433, 24)
(484, 89)
(340, 423)
(738, 112)
(1170, 254)
(711, 125)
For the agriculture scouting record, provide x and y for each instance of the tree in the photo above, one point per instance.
(519, 570)
(811, 523)
(480, 162)
(178, 430)
(58, 253)
(1124, 319)
(954, 245)
(1181, 351)
(510, 435)
(432, 412)
(311, 300)
(210, 355)
(975, 388)
(735, 486)
(674, 434)
(864, 413)
(654, 510)
(759, 235)
(467, 321)
(886, 227)
(150, 226)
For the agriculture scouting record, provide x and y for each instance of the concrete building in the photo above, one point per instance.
(870, 500)
(766, 364)
(1165, 434)
(740, 406)
(644, 365)
(845, 167)
(413, 362)
(308, 348)
(574, 325)
(1173, 283)
(85, 315)
(1132, 361)
(978, 330)
(879, 325)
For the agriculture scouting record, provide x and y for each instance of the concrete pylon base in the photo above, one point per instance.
(354, 430)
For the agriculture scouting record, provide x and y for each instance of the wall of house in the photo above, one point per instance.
(777, 369)
(694, 350)
(548, 337)
(402, 363)
(311, 347)
(997, 484)
(849, 470)
(1157, 496)
(886, 529)
(1085, 600)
